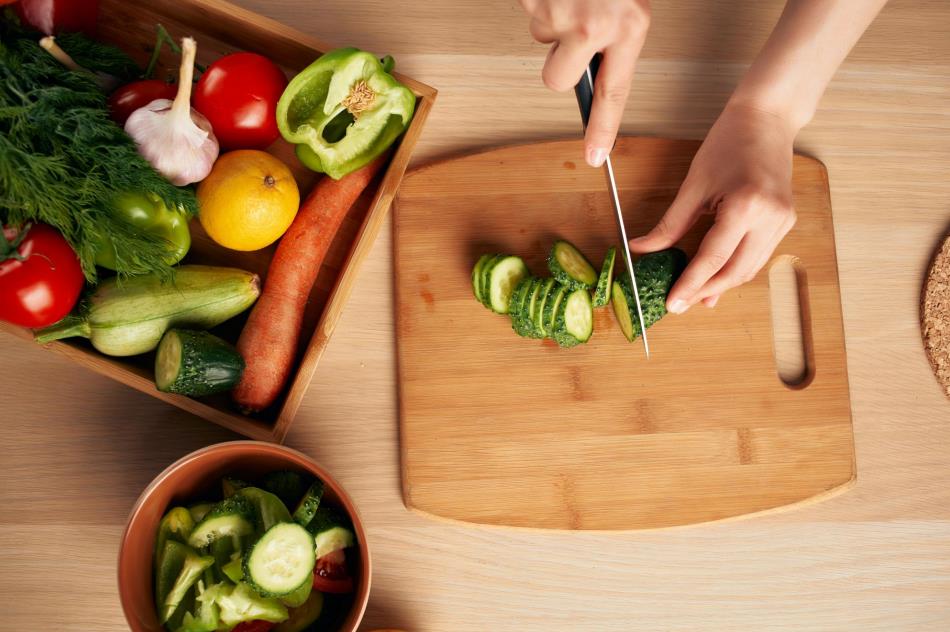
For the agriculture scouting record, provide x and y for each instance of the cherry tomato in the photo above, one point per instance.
(57, 16)
(238, 94)
(40, 276)
(137, 94)
(254, 626)
(330, 574)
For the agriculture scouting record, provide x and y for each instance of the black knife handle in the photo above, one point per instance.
(584, 90)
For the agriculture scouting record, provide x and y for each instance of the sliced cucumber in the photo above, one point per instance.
(522, 320)
(625, 311)
(196, 363)
(281, 560)
(477, 276)
(549, 317)
(570, 267)
(331, 532)
(548, 290)
(519, 296)
(309, 504)
(304, 616)
(605, 280)
(229, 518)
(483, 278)
(575, 319)
(502, 275)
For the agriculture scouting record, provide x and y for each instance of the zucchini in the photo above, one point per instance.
(196, 363)
(229, 518)
(331, 532)
(304, 616)
(502, 274)
(570, 267)
(575, 319)
(308, 505)
(129, 318)
(281, 560)
(286, 485)
(605, 280)
(477, 276)
(551, 305)
(268, 508)
(537, 318)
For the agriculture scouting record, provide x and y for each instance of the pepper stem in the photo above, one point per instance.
(68, 327)
(388, 63)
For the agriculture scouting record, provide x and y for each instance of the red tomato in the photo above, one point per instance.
(330, 574)
(137, 94)
(238, 94)
(254, 626)
(40, 276)
(57, 16)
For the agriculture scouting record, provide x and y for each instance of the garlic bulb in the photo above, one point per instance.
(174, 137)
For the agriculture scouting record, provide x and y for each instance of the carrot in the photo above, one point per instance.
(270, 337)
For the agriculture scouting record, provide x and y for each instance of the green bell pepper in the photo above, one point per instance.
(344, 110)
(148, 213)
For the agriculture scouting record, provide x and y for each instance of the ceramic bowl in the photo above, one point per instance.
(197, 476)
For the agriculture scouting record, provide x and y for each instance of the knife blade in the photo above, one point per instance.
(584, 91)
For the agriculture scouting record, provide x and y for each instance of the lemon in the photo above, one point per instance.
(248, 201)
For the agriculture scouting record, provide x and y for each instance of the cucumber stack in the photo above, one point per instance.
(561, 307)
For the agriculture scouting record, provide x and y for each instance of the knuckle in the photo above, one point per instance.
(714, 261)
(612, 94)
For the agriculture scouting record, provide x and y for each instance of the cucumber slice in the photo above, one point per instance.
(522, 320)
(570, 267)
(537, 318)
(625, 311)
(304, 616)
(519, 296)
(230, 517)
(605, 280)
(575, 319)
(483, 278)
(502, 275)
(549, 318)
(477, 276)
(281, 560)
(196, 363)
(331, 532)
(309, 504)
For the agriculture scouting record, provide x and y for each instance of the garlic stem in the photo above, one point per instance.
(186, 73)
(49, 44)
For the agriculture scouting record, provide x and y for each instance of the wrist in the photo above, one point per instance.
(787, 113)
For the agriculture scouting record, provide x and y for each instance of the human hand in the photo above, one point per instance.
(578, 30)
(743, 174)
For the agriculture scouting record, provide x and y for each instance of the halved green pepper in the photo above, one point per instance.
(344, 110)
(147, 212)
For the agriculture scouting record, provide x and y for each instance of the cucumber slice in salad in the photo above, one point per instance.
(309, 504)
(331, 533)
(281, 560)
(575, 319)
(570, 267)
(502, 275)
(229, 518)
(605, 280)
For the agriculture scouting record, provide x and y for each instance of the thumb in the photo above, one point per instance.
(678, 219)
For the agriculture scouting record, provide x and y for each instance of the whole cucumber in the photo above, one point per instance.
(129, 318)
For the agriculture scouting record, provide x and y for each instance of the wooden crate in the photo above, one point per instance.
(221, 28)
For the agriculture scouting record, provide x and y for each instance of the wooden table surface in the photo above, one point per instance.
(78, 448)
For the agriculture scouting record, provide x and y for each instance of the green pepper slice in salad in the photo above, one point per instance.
(344, 110)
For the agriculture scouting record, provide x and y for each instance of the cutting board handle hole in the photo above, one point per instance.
(791, 322)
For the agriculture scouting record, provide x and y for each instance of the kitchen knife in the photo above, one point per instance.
(584, 91)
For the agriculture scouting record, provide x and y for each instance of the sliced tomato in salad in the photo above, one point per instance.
(254, 626)
(330, 574)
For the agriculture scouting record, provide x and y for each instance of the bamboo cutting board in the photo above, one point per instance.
(501, 430)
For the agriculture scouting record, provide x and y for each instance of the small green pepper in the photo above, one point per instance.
(148, 213)
(344, 110)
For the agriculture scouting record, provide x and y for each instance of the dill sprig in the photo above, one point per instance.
(63, 160)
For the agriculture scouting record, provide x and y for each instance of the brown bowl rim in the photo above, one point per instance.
(323, 474)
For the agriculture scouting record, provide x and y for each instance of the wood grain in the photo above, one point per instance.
(78, 448)
(598, 437)
(222, 28)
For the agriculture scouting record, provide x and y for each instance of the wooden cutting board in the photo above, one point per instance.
(501, 430)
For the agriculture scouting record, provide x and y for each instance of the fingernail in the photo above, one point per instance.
(596, 156)
(638, 239)
(678, 306)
